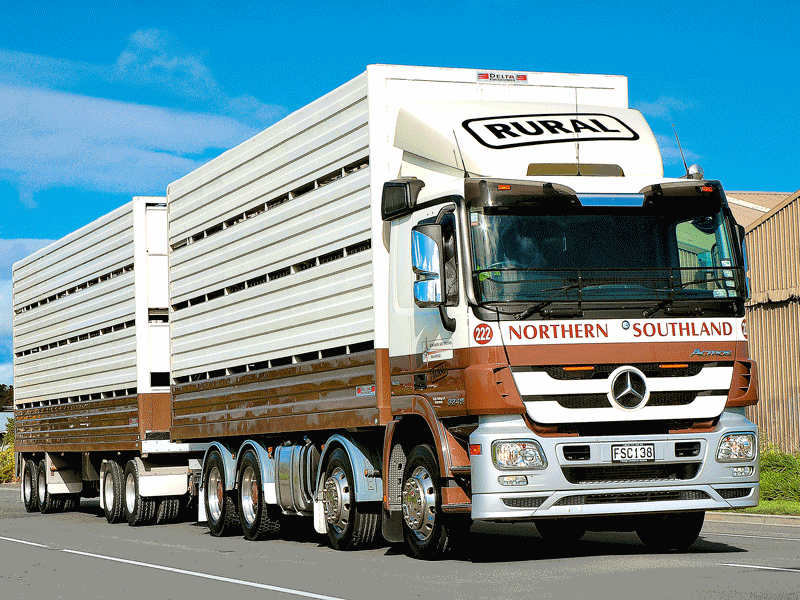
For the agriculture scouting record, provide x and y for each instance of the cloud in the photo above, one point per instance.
(7, 373)
(6, 313)
(13, 250)
(671, 154)
(55, 138)
(663, 108)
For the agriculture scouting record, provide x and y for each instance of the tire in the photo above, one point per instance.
(71, 502)
(221, 512)
(29, 484)
(138, 510)
(258, 519)
(168, 509)
(350, 525)
(113, 496)
(560, 531)
(427, 531)
(48, 503)
(675, 531)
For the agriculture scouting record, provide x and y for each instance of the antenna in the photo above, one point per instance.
(675, 131)
(577, 137)
(461, 156)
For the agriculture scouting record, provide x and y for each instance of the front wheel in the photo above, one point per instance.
(428, 533)
(676, 531)
(350, 525)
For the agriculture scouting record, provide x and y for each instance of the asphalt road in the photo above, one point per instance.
(79, 555)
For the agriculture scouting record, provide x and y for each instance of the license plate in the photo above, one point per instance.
(633, 453)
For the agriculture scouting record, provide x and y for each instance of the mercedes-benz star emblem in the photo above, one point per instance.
(628, 388)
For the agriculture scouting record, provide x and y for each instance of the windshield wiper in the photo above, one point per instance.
(649, 312)
(544, 303)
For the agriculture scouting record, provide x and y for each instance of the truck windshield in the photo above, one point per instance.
(594, 253)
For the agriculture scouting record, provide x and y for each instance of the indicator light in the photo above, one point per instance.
(675, 366)
(474, 449)
(586, 368)
(503, 186)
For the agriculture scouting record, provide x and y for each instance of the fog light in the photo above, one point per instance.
(742, 471)
(737, 446)
(513, 480)
(518, 454)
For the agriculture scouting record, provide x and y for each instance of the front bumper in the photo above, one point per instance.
(595, 486)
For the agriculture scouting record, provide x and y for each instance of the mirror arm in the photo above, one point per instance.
(448, 322)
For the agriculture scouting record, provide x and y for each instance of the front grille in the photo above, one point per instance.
(661, 496)
(730, 494)
(601, 400)
(529, 502)
(629, 473)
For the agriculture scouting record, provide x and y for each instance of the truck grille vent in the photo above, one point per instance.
(660, 496)
(631, 473)
(524, 502)
(601, 400)
(730, 494)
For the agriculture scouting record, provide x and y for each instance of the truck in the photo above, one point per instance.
(431, 297)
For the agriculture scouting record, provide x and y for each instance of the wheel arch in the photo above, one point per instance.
(266, 465)
(364, 464)
(228, 461)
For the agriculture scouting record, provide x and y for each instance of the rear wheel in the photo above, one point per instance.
(29, 494)
(112, 492)
(428, 533)
(350, 525)
(676, 531)
(138, 510)
(254, 512)
(223, 518)
(48, 503)
(168, 509)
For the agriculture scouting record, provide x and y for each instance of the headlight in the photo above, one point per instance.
(518, 454)
(737, 446)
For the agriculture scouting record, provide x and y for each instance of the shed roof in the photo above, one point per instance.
(748, 207)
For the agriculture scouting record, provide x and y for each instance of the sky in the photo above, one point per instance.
(102, 101)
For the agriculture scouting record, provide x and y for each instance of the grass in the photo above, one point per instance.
(780, 484)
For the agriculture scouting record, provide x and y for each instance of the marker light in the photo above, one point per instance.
(518, 454)
(737, 446)
(503, 186)
(474, 449)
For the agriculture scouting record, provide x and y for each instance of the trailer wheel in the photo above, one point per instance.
(254, 512)
(223, 518)
(29, 493)
(138, 510)
(71, 502)
(48, 503)
(168, 509)
(675, 531)
(350, 525)
(112, 492)
(428, 533)
(560, 531)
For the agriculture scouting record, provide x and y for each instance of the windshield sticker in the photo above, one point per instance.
(527, 130)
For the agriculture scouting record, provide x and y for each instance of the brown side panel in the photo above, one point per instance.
(333, 393)
(155, 413)
(90, 425)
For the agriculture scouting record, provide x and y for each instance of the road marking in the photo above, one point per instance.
(24, 542)
(253, 584)
(262, 586)
(761, 567)
(756, 537)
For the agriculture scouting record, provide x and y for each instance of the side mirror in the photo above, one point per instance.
(426, 260)
(399, 197)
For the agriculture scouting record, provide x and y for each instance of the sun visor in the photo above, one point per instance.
(502, 139)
